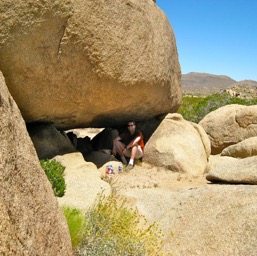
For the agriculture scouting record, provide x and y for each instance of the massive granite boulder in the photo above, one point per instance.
(31, 222)
(229, 125)
(89, 63)
(178, 146)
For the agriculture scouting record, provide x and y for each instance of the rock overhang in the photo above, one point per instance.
(78, 70)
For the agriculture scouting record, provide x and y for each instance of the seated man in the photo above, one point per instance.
(129, 144)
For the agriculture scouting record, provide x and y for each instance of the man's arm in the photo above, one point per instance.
(133, 142)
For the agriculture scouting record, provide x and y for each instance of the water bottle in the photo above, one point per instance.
(120, 169)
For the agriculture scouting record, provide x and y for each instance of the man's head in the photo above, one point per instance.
(131, 126)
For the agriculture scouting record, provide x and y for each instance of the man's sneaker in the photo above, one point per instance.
(129, 167)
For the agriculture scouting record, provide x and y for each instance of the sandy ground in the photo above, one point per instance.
(144, 176)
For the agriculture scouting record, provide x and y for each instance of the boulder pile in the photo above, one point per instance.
(229, 125)
(232, 130)
(79, 63)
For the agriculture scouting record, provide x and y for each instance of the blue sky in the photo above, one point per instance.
(217, 37)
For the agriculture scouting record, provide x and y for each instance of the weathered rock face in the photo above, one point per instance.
(210, 220)
(178, 146)
(229, 125)
(217, 160)
(204, 137)
(89, 63)
(30, 221)
(233, 170)
(48, 141)
(83, 181)
(245, 148)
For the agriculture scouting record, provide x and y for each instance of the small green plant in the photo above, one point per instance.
(196, 108)
(75, 221)
(113, 229)
(54, 172)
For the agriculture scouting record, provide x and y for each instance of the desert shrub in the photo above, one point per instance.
(54, 172)
(112, 229)
(75, 221)
(196, 108)
(187, 107)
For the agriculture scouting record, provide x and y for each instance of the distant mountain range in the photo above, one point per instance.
(204, 82)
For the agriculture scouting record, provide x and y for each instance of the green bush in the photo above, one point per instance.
(75, 221)
(54, 172)
(196, 108)
(187, 107)
(112, 229)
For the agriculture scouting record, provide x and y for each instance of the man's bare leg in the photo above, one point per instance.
(133, 152)
(118, 147)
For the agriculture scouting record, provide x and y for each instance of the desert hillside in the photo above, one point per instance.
(204, 83)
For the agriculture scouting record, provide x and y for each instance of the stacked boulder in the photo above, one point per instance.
(229, 125)
(232, 130)
(89, 63)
